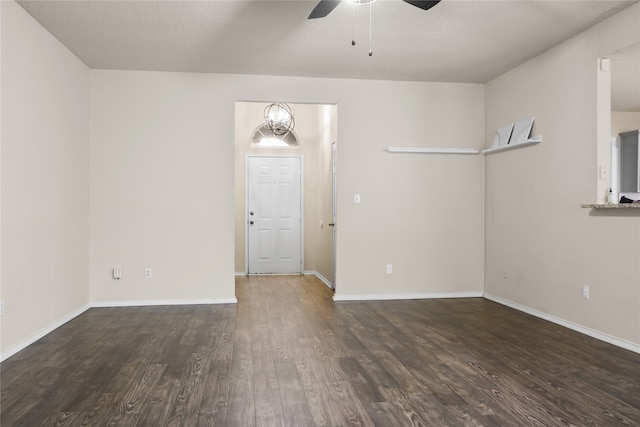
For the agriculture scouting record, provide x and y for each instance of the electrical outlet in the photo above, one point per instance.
(585, 291)
(148, 274)
(505, 273)
(389, 268)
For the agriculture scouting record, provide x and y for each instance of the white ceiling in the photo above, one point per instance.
(456, 41)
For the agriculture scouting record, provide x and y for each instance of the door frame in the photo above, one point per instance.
(246, 204)
(334, 211)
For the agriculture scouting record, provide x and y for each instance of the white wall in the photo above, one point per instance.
(161, 188)
(534, 224)
(420, 213)
(162, 171)
(624, 121)
(45, 173)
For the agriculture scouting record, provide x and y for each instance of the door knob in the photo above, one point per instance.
(251, 222)
(251, 213)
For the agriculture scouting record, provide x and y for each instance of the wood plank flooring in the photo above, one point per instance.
(287, 355)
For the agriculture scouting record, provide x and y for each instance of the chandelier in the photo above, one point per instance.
(279, 118)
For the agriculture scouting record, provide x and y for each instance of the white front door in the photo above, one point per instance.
(274, 215)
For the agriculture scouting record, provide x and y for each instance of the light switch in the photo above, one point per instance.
(356, 199)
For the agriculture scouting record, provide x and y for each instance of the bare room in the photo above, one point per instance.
(319, 213)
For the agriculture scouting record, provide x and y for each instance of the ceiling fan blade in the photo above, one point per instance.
(424, 5)
(323, 8)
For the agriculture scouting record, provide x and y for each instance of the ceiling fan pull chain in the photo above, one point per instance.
(353, 15)
(370, 24)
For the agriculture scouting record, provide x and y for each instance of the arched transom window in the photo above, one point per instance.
(263, 137)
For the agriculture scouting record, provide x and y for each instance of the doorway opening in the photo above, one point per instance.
(625, 123)
(316, 148)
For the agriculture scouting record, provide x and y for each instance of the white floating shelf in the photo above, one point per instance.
(526, 143)
(432, 150)
(635, 205)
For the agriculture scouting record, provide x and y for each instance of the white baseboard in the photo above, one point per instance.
(241, 273)
(321, 277)
(136, 303)
(384, 297)
(35, 337)
(627, 345)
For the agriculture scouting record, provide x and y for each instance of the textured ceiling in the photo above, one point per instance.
(470, 41)
(456, 41)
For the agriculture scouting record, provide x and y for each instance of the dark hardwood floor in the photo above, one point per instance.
(286, 354)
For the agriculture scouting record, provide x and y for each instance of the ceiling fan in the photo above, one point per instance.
(324, 7)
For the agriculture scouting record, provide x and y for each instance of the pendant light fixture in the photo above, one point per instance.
(279, 118)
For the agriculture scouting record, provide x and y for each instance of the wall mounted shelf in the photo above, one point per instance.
(462, 150)
(432, 150)
(526, 143)
(611, 205)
